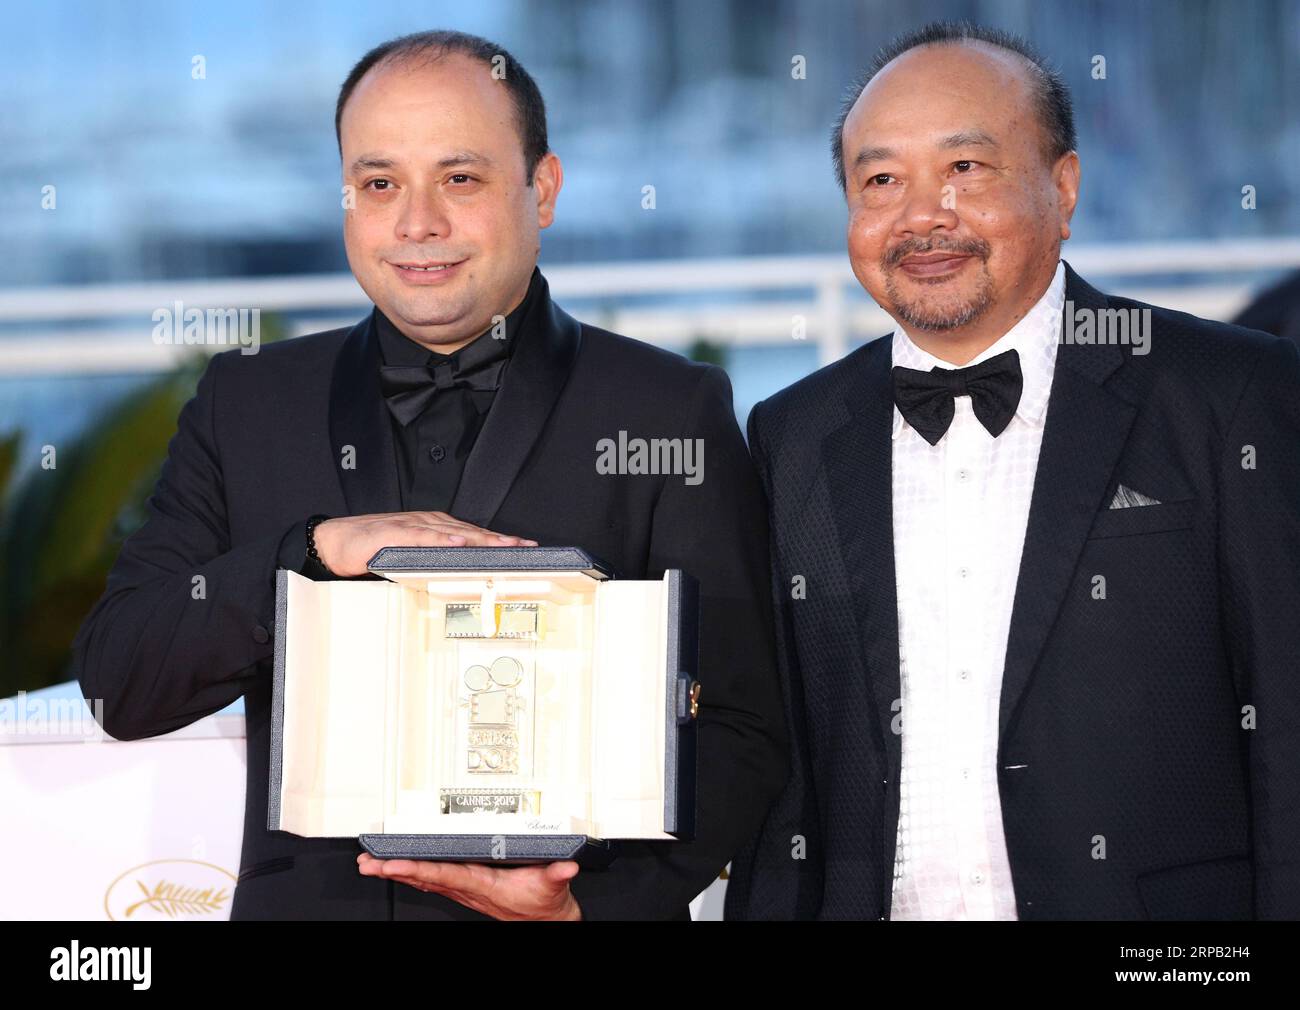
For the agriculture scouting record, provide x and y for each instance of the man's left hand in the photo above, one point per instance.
(516, 892)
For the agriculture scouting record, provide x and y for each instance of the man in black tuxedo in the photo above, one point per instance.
(1036, 575)
(466, 399)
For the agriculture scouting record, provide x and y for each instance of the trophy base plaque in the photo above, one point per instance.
(490, 801)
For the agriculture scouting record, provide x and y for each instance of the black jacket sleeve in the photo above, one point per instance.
(778, 874)
(184, 617)
(1259, 562)
(717, 531)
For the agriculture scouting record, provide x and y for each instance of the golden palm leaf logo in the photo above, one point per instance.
(176, 889)
(175, 899)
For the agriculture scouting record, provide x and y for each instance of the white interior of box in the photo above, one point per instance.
(370, 732)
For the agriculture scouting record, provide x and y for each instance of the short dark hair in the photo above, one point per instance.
(530, 110)
(1055, 109)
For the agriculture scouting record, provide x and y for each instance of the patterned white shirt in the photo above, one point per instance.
(960, 510)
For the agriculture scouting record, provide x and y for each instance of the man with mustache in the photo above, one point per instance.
(1036, 584)
(466, 402)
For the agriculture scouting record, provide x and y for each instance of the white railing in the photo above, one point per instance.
(107, 328)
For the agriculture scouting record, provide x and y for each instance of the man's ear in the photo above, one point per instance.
(1065, 176)
(548, 177)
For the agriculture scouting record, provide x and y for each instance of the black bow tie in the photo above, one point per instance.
(925, 399)
(408, 389)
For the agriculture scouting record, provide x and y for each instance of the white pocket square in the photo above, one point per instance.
(1126, 497)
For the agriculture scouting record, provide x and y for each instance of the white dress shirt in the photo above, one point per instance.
(960, 509)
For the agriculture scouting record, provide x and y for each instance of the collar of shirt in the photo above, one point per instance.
(1035, 337)
(396, 348)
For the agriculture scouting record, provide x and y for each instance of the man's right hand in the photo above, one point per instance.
(346, 544)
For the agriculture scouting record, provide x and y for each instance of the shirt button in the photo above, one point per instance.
(964, 675)
(977, 877)
(963, 572)
(437, 453)
(963, 475)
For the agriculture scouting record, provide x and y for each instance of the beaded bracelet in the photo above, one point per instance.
(312, 553)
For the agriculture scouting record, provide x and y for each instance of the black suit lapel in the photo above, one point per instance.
(1085, 432)
(539, 366)
(359, 418)
(858, 457)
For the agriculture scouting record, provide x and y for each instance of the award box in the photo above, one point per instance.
(489, 704)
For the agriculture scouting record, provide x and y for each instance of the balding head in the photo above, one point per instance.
(1046, 90)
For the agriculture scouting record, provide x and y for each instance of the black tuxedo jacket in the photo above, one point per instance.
(258, 450)
(1125, 718)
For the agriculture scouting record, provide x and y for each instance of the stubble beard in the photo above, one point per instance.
(920, 315)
